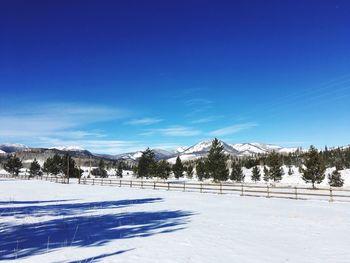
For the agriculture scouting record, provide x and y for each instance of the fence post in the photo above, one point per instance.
(141, 184)
(296, 193)
(102, 181)
(330, 194)
(110, 182)
(201, 189)
(120, 183)
(220, 188)
(242, 190)
(154, 185)
(168, 186)
(93, 181)
(130, 183)
(184, 187)
(268, 191)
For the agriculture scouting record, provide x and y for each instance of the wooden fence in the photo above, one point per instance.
(244, 189)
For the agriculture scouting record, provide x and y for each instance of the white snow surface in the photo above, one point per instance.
(81, 223)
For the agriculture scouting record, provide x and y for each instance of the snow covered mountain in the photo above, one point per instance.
(181, 149)
(12, 148)
(246, 149)
(239, 149)
(159, 154)
(204, 147)
(201, 149)
(69, 148)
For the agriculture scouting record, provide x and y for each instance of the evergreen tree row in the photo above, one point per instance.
(312, 166)
(62, 165)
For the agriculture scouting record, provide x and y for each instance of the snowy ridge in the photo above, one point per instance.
(260, 148)
(129, 156)
(204, 147)
(239, 149)
(69, 148)
(134, 156)
(181, 149)
(11, 148)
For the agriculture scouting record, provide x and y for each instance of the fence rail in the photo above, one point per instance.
(268, 191)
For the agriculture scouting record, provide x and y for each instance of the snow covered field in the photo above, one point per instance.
(48, 222)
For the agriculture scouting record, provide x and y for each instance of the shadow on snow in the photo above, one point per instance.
(18, 241)
(69, 209)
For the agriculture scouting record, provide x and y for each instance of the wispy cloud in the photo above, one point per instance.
(79, 134)
(233, 129)
(175, 131)
(198, 102)
(198, 106)
(144, 121)
(58, 119)
(180, 131)
(206, 119)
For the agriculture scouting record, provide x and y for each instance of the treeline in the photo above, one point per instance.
(101, 170)
(269, 167)
(61, 165)
(149, 167)
(214, 166)
(339, 158)
(217, 166)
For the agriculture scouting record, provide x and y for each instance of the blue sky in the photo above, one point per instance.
(116, 76)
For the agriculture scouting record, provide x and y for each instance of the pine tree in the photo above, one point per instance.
(237, 173)
(266, 174)
(120, 170)
(146, 164)
(255, 174)
(216, 162)
(275, 164)
(13, 165)
(163, 169)
(315, 167)
(178, 168)
(56, 164)
(34, 168)
(73, 171)
(47, 165)
(189, 171)
(200, 170)
(335, 180)
(53, 165)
